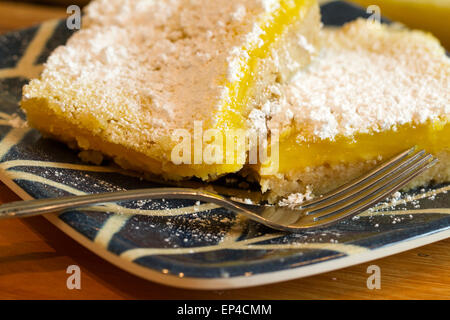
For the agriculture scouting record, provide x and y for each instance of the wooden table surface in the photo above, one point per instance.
(34, 255)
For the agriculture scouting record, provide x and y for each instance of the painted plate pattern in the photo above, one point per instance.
(180, 242)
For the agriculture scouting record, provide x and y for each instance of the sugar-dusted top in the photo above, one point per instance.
(368, 78)
(154, 65)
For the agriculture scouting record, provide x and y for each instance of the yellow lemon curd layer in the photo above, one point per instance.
(433, 136)
(273, 26)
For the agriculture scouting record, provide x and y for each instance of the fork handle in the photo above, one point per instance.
(29, 208)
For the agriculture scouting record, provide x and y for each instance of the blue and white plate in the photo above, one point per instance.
(179, 242)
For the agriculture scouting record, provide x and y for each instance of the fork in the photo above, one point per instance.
(344, 202)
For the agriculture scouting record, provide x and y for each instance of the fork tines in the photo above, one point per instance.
(373, 186)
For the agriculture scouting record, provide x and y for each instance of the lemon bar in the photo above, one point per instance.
(139, 70)
(374, 91)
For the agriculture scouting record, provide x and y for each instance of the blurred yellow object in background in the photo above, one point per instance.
(428, 15)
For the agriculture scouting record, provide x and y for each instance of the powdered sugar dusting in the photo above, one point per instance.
(153, 66)
(369, 78)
